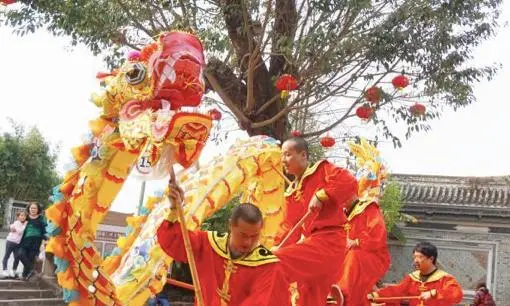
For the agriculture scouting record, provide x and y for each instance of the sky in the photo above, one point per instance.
(45, 82)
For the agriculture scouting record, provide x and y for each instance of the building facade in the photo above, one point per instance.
(468, 218)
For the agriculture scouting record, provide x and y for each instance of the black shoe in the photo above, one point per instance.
(30, 275)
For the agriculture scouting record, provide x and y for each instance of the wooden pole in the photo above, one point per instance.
(187, 246)
(281, 174)
(298, 225)
(396, 298)
(180, 284)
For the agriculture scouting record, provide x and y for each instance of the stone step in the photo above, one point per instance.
(17, 284)
(12, 294)
(33, 302)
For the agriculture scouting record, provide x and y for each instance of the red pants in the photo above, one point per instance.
(315, 264)
(361, 271)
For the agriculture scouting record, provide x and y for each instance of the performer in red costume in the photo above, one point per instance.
(368, 258)
(234, 270)
(434, 287)
(324, 189)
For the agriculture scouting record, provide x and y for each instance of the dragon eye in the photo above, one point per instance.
(136, 74)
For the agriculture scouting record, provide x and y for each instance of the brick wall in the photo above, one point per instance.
(473, 256)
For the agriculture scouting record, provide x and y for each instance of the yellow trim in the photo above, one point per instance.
(259, 256)
(434, 277)
(172, 216)
(359, 208)
(296, 185)
(322, 196)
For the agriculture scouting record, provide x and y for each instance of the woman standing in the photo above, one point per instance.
(35, 233)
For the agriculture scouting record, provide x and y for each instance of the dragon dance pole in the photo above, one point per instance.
(396, 298)
(298, 225)
(187, 245)
(286, 179)
(180, 284)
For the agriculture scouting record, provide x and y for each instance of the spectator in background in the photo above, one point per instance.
(161, 299)
(12, 243)
(35, 233)
(483, 297)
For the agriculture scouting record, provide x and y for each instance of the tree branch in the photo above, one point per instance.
(230, 89)
(285, 26)
(133, 18)
(238, 35)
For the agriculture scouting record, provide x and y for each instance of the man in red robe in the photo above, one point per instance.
(323, 189)
(430, 285)
(234, 270)
(367, 258)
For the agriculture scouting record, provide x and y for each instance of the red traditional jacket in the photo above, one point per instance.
(367, 262)
(253, 280)
(333, 186)
(445, 289)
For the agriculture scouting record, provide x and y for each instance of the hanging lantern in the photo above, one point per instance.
(327, 141)
(296, 133)
(400, 82)
(364, 112)
(215, 114)
(417, 109)
(286, 83)
(373, 94)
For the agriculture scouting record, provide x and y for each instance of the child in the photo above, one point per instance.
(13, 241)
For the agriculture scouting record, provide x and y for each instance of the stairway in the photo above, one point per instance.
(37, 291)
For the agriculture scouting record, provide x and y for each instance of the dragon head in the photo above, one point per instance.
(167, 70)
(144, 97)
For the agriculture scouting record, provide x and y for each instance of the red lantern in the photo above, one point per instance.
(215, 114)
(296, 133)
(373, 94)
(286, 83)
(364, 112)
(7, 2)
(417, 109)
(327, 141)
(400, 81)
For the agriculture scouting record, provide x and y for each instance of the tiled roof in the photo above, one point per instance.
(469, 192)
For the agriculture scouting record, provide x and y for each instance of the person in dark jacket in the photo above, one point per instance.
(34, 235)
(482, 296)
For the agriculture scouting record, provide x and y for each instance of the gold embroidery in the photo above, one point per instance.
(298, 195)
(296, 185)
(224, 294)
(347, 228)
(422, 287)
